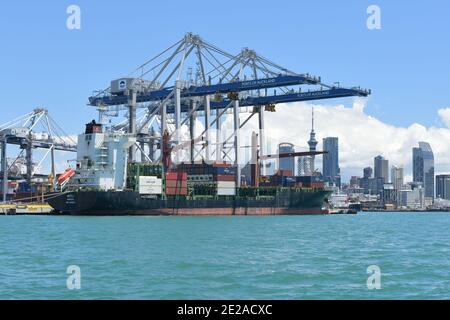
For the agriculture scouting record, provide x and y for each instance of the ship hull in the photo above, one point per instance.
(111, 203)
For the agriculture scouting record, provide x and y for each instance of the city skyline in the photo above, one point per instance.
(386, 170)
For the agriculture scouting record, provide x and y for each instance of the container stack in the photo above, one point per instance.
(176, 183)
(283, 181)
(137, 170)
(26, 192)
(25, 187)
(217, 178)
(313, 182)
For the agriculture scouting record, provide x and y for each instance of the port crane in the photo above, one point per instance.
(34, 130)
(222, 83)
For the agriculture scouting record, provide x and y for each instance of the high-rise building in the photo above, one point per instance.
(417, 165)
(381, 166)
(354, 181)
(368, 172)
(397, 177)
(365, 182)
(331, 171)
(423, 167)
(286, 163)
(443, 186)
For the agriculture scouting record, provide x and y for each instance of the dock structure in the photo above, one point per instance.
(25, 209)
(216, 83)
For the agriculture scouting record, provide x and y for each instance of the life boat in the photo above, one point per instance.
(66, 175)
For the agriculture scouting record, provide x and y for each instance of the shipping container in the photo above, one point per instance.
(176, 191)
(308, 179)
(203, 189)
(200, 177)
(136, 170)
(174, 175)
(150, 189)
(226, 188)
(316, 185)
(226, 177)
(26, 187)
(285, 181)
(176, 183)
(149, 181)
(203, 168)
(284, 173)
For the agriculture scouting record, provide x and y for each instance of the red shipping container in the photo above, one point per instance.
(284, 173)
(221, 164)
(176, 183)
(176, 191)
(225, 177)
(176, 176)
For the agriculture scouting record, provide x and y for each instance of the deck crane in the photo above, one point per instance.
(223, 82)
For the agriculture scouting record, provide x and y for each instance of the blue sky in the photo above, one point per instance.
(406, 63)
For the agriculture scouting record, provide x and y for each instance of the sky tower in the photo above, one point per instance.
(312, 142)
(306, 164)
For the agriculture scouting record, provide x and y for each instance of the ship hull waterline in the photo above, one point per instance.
(97, 203)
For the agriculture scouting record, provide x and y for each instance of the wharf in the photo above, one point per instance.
(26, 209)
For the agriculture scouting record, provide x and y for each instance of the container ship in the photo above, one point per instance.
(104, 182)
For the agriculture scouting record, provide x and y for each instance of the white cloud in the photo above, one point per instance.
(445, 116)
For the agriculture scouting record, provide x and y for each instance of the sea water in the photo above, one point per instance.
(274, 257)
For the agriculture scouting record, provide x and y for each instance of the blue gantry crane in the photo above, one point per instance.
(221, 82)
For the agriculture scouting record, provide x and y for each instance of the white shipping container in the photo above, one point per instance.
(226, 192)
(149, 181)
(150, 189)
(226, 188)
(226, 184)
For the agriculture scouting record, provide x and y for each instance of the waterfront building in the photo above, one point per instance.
(331, 170)
(368, 172)
(381, 166)
(389, 195)
(423, 167)
(397, 177)
(412, 196)
(443, 186)
(354, 181)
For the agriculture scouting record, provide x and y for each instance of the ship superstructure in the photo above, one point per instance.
(102, 158)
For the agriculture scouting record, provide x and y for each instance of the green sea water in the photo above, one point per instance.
(279, 257)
